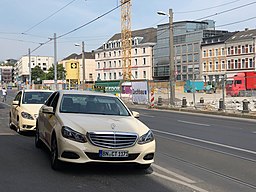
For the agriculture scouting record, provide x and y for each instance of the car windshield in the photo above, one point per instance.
(92, 104)
(35, 97)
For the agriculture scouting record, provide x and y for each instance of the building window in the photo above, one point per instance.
(243, 64)
(136, 74)
(216, 52)
(110, 76)
(204, 53)
(223, 65)
(119, 53)
(104, 55)
(110, 64)
(114, 63)
(210, 66)
(104, 65)
(44, 69)
(222, 51)
(98, 76)
(243, 49)
(105, 76)
(114, 53)
(144, 61)
(236, 50)
(120, 64)
(144, 74)
(229, 64)
(115, 75)
(98, 55)
(135, 51)
(90, 76)
(236, 64)
(216, 65)
(120, 75)
(44, 64)
(229, 51)
(136, 61)
(144, 50)
(210, 53)
(250, 63)
(98, 65)
(109, 54)
(250, 49)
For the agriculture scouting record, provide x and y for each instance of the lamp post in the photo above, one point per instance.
(83, 63)
(171, 56)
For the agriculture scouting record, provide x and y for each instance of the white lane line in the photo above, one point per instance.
(147, 115)
(194, 123)
(179, 182)
(254, 132)
(185, 179)
(207, 142)
(6, 134)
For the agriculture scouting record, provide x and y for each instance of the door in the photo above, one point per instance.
(15, 109)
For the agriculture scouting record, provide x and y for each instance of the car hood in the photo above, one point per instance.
(31, 108)
(84, 123)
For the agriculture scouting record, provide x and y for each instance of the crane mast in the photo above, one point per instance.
(126, 38)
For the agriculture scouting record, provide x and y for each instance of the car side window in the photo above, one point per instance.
(55, 101)
(49, 100)
(18, 96)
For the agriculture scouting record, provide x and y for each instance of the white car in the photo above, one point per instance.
(25, 108)
(83, 126)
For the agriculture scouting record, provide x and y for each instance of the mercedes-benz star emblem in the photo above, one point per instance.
(113, 126)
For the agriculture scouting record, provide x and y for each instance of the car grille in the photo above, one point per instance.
(113, 140)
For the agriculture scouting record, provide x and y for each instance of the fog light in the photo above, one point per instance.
(149, 156)
(70, 155)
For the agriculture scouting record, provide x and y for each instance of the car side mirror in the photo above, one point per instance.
(136, 114)
(48, 110)
(15, 103)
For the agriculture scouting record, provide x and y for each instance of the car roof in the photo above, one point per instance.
(37, 90)
(85, 93)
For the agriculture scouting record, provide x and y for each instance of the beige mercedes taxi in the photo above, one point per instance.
(25, 107)
(81, 127)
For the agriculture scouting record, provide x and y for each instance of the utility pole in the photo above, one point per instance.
(172, 74)
(55, 62)
(83, 63)
(29, 68)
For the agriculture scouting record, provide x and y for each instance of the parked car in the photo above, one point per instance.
(84, 126)
(25, 108)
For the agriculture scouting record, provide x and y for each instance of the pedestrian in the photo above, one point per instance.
(4, 93)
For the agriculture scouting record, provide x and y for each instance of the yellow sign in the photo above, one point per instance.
(73, 65)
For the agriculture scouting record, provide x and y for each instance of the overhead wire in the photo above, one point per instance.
(24, 33)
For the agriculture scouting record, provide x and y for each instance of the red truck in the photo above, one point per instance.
(241, 84)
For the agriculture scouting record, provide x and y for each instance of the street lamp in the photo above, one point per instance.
(83, 62)
(171, 56)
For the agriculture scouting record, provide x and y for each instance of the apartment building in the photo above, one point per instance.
(213, 53)
(188, 36)
(108, 57)
(6, 74)
(21, 67)
(241, 51)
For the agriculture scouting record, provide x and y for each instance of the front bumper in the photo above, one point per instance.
(71, 151)
(27, 124)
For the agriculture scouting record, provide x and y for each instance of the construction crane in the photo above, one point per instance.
(126, 37)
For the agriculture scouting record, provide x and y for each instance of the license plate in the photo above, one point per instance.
(112, 153)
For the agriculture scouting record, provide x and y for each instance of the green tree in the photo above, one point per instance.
(61, 73)
(36, 73)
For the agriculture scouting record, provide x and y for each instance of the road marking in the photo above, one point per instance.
(185, 179)
(6, 134)
(147, 115)
(254, 132)
(5, 104)
(207, 142)
(179, 182)
(194, 123)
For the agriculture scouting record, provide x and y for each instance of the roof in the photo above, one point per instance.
(217, 39)
(37, 90)
(85, 93)
(243, 35)
(88, 55)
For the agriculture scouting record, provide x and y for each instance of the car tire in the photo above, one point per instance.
(38, 142)
(55, 162)
(143, 166)
(10, 122)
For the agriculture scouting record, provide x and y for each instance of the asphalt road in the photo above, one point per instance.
(194, 153)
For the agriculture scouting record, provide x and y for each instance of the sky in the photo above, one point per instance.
(27, 23)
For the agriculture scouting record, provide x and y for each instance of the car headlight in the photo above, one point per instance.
(73, 135)
(146, 138)
(26, 115)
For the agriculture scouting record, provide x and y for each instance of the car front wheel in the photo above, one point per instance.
(38, 142)
(55, 162)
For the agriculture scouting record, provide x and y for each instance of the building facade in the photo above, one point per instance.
(214, 60)
(187, 41)
(21, 67)
(108, 58)
(241, 52)
(90, 74)
(6, 74)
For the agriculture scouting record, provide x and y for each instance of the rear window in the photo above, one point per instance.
(35, 97)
